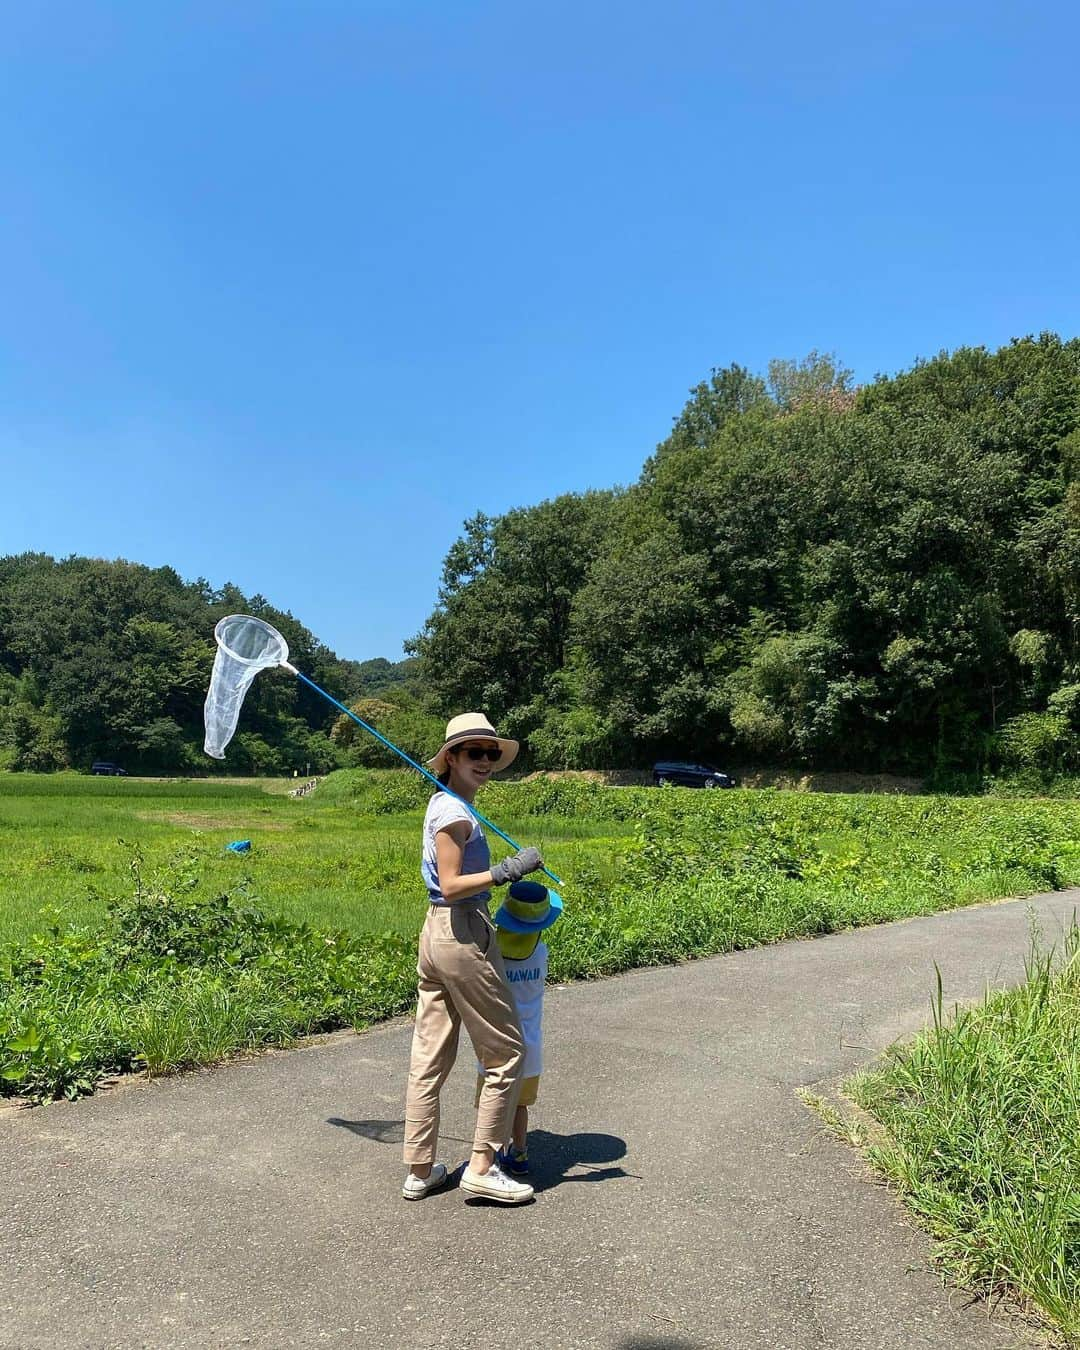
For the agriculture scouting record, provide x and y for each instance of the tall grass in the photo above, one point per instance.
(982, 1114)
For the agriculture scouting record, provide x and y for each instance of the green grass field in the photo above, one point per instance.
(347, 856)
(66, 845)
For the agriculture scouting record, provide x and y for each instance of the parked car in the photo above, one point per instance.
(683, 774)
(108, 769)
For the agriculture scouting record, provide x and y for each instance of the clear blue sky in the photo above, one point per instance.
(290, 290)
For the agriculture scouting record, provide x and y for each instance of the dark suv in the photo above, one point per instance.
(690, 775)
(108, 769)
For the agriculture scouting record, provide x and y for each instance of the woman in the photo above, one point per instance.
(462, 979)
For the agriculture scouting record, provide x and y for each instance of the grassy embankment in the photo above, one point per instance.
(981, 1136)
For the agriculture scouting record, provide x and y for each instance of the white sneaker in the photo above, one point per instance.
(495, 1185)
(416, 1188)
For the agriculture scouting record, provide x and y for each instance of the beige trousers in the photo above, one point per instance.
(462, 980)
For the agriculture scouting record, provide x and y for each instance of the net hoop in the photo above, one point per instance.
(275, 652)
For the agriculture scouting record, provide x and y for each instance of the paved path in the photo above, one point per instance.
(687, 1198)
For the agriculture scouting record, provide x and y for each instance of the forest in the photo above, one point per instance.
(882, 578)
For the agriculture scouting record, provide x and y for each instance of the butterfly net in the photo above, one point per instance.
(244, 647)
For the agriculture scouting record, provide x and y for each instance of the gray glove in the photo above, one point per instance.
(513, 869)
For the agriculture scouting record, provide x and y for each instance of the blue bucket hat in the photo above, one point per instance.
(529, 908)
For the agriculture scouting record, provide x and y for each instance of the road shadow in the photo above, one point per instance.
(552, 1157)
(384, 1131)
(393, 1132)
(381, 1131)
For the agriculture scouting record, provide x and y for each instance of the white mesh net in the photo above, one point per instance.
(244, 647)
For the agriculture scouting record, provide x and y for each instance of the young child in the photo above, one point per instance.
(529, 908)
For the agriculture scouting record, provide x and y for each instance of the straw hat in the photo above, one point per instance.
(473, 727)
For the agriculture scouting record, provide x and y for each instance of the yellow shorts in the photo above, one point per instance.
(529, 1089)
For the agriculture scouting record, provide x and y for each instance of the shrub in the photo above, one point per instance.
(1043, 742)
(176, 977)
(179, 973)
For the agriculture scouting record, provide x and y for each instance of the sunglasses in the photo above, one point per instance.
(491, 752)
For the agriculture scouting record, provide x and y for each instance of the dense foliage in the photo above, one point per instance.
(883, 579)
(177, 976)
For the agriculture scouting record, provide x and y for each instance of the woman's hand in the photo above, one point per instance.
(513, 869)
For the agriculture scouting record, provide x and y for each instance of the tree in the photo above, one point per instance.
(402, 720)
(502, 624)
(728, 393)
(817, 380)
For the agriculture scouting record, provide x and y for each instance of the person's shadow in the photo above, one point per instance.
(552, 1157)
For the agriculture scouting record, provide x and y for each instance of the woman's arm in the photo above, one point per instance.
(450, 844)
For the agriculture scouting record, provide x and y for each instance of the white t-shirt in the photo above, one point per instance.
(444, 810)
(526, 980)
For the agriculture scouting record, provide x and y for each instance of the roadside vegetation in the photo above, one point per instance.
(161, 950)
(982, 1136)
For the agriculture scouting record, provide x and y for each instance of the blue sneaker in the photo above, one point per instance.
(515, 1161)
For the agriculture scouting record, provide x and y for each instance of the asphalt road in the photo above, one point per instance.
(687, 1198)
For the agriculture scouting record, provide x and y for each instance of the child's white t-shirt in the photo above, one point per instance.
(526, 980)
